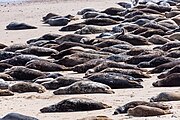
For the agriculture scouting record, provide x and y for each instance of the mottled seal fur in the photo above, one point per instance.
(84, 87)
(82, 68)
(113, 10)
(126, 107)
(171, 80)
(133, 39)
(22, 87)
(155, 62)
(115, 80)
(45, 66)
(166, 96)
(72, 27)
(14, 47)
(6, 54)
(58, 21)
(75, 104)
(70, 38)
(39, 51)
(164, 67)
(19, 60)
(91, 29)
(158, 39)
(19, 26)
(145, 111)
(131, 72)
(23, 73)
(100, 21)
(17, 116)
(61, 82)
(6, 93)
(175, 69)
(84, 10)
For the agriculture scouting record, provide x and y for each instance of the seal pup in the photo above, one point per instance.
(17, 116)
(19, 26)
(84, 87)
(22, 87)
(132, 104)
(23, 73)
(6, 93)
(145, 111)
(75, 104)
(166, 96)
(171, 80)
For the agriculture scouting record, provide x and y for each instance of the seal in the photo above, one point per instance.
(61, 81)
(6, 93)
(19, 26)
(84, 87)
(22, 87)
(6, 77)
(17, 116)
(48, 16)
(151, 32)
(113, 10)
(100, 21)
(175, 69)
(113, 50)
(14, 47)
(39, 51)
(112, 64)
(82, 68)
(91, 14)
(133, 39)
(156, 26)
(113, 17)
(45, 66)
(58, 21)
(171, 80)
(3, 84)
(96, 118)
(75, 104)
(133, 13)
(23, 73)
(130, 72)
(91, 29)
(70, 38)
(145, 111)
(4, 66)
(158, 39)
(126, 107)
(84, 10)
(155, 62)
(166, 96)
(19, 60)
(110, 42)
(72, 27)
(6, 54)
(169, 45)
(141, 58)
(164, 67)
(116, 80)
(173, 54)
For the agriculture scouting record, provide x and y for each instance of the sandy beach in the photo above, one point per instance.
(30, 103)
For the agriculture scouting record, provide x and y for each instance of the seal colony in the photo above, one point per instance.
(113, 60)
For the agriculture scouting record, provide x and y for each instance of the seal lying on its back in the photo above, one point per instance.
(166, 96)
(19, 26)
(124, 108)
(145, 111)
(75, 104)
(84, 87)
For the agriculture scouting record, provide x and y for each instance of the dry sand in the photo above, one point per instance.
(30, 103)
